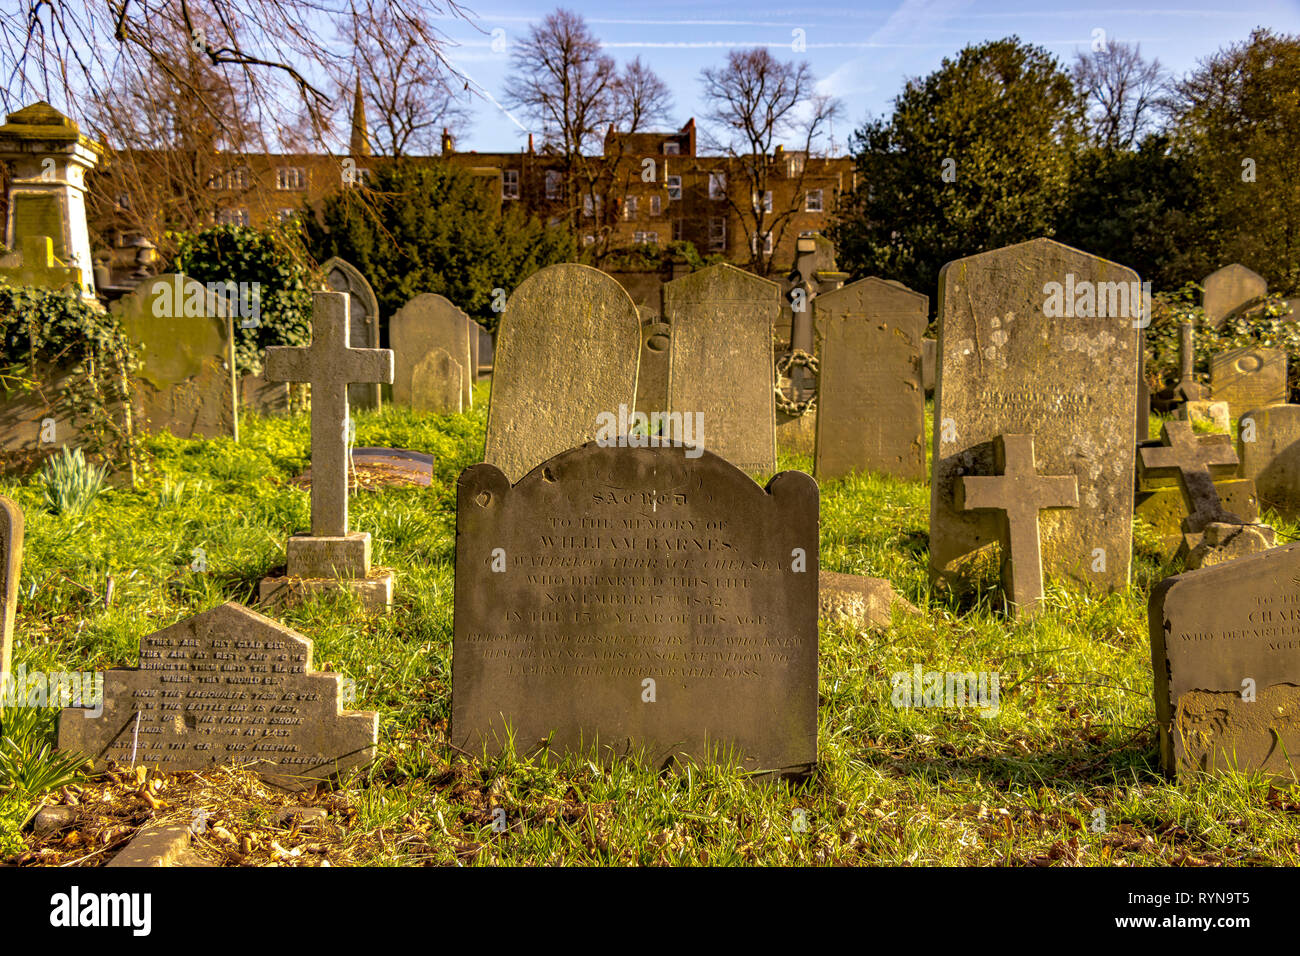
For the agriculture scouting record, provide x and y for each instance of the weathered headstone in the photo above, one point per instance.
(929, 359)
(263, 397)
(1268, 444)
(1188, 388)
(330, 557)
(1018, 493)
(1194, 463)
(1248, 378)
(1227, 667)
(11, 562)
(1040, 339)
(870, 401)
(720, 363)
(652, 378)
(437, 384)
(566, 352)
(187, 383)
(859, 599)
(1228, 289)
(343, 276)
(426, 323)
(224, 687)
(629, 598)
(472, 330)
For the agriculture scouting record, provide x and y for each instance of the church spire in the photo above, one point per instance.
(360, 142)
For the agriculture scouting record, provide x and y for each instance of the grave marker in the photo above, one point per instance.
(330, 557)
(227, 686)
(1228, 289)
(720, 363)
(871, 404)
(426, 323)
(638, 597)
(1018, 493)
(1268, 444)
(1227, 669)
(437, 384)
(1248, 378)
(1191, 462)
(566, 352)
(11, 561)
(1040, 339)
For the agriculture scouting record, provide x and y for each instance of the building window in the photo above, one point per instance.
(794, 166)
(717, 233)
(672, 148)
(290, 177)
(287, 215)
(813, 201)
(587, 207)
(629, 207)
(767, 243)
(678, 230)
(766, 204)
(554, 179)
(674, 187)
(717, 185)
(651, 238)
(232, 217)
(237, 179)
(656, 205)
(509, 184)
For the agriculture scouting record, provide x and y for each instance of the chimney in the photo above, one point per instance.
(448, 147)
(530, 144)
(689, 130)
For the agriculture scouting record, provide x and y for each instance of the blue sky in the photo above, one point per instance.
(861, 52)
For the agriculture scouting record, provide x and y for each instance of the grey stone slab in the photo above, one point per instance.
(721, 365)
(11, 562)
(1268, 444)
(652, 378)
(1023, 350)
(225, 687)
(870, 399)
(1228, 289)
(425, 324)
(1225, 650)
(438, 384)
(638, 602)
(566, 353)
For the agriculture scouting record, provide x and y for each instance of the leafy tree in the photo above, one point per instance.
(434, 227)
(267, 257)
(976, 155)
(1234, 119)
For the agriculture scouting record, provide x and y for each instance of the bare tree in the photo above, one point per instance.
(756, 102)
(575, 94)
(65, 51)
(1121, 92)
(409, 95)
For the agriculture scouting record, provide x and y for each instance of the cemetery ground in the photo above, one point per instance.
(1065, 773)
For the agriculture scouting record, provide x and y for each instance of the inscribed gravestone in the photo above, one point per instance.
(471, 331)
(1219, 636)
(1248, 378)
(566, 352)
(187, 382)
(638, 597)
(426, 323)
(1038, 338)
(870, 400)
(1268, 444)
(331, 557)
(1228, 289)
(437, 384)
(11, 560)
(720, 361)
(343, 276)
(227, 686)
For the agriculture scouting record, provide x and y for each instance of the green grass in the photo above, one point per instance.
(1074, 735)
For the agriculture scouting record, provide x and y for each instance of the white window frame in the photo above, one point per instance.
(554, 183)
(656, 205)
(717, 233)
(236, 216)
(767, 244)
(767, 201)
(629, 207)
(290, 178)
(509, 184)
(808, 201)
(672, 148)
(717, 185)
(674, 184)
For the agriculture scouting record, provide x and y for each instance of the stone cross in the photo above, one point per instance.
(329, 365)
(1184, 456)
(1187, 389)
(11, 559)
(1019, 492)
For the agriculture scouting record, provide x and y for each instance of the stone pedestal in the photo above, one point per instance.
(330, 563)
